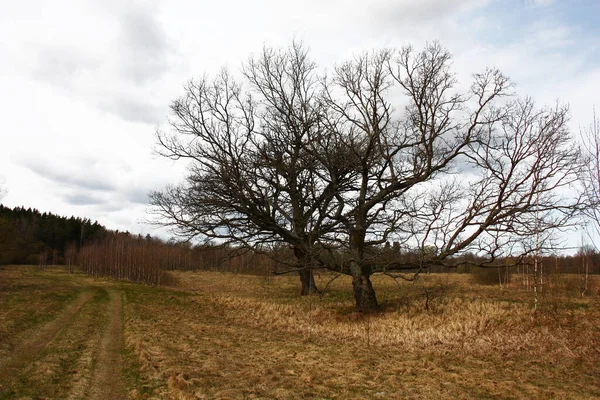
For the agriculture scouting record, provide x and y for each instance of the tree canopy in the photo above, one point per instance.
(384, 147)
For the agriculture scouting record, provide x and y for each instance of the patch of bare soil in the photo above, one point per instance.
(106, 382)
(26, 352)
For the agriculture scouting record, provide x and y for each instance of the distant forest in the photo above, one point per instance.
(28, 236)
(25, 233)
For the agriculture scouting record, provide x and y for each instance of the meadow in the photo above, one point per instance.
(217, 335)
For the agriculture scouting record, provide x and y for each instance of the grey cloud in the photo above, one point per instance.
(145, 50)
(141, 55)
(415, 13)
(110, 207)
(82, 199)
(59, 65)
(132, 109)
(74, 178)
(84, 184)
(108, 201)
(138, 195)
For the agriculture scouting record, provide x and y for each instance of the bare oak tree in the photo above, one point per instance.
(386, 149)
(263, 167)
(453, 173)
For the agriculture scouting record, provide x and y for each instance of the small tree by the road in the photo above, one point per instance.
(385, 149)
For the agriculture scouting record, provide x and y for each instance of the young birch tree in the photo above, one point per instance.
(590, 176)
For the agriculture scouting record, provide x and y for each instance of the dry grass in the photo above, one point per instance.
(27, 300)
(52, 331)
(220, 335)
(235, 336)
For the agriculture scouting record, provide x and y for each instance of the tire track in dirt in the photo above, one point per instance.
(107, 380)
(26, 352)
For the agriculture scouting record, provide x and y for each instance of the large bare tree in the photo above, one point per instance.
(386, 149)
(450, 172)
(263, 169)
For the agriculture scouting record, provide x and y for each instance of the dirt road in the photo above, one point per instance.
(77, 354)
(27, 351)
(108, 364)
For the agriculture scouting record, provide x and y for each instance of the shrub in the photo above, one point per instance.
(490, 276)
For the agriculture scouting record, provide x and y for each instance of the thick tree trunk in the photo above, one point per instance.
(364, 294)
(307, 277)
(308, 282)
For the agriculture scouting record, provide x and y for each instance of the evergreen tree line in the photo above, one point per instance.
(30, 237)
(27, 235)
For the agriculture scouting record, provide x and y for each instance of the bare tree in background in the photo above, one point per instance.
(590, 177)
(386, 149)
(264, 169)
(70, 256)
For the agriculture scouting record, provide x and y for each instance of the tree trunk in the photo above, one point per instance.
(308, 281)
(307, 277)
(364, 294)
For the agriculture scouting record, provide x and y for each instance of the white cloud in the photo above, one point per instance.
(83, 84)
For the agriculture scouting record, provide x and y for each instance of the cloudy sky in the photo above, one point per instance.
(84, 84)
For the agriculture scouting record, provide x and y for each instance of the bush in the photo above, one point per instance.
(168, 279)
(490, 276)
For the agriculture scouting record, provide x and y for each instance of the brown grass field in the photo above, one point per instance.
(226, 336)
